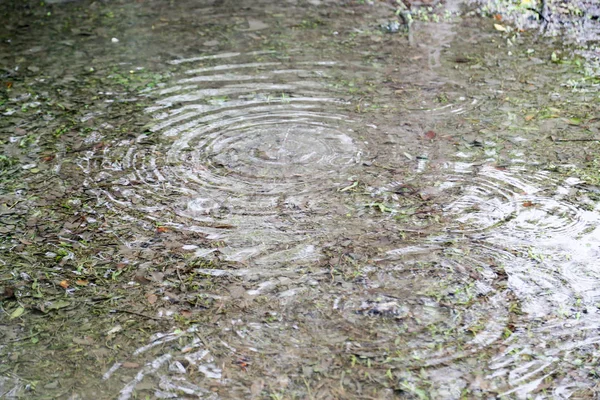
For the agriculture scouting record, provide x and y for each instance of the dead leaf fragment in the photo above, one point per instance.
(114, 330)
(256, 25)
(64, 284)
(500, 28)
(84, 341)
(141, 279)
(430, 135)
(81, 282)
(151, 298)
(130, 365)
(8, 293)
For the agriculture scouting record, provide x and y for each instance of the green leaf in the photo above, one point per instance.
(58, 305)
(354, 184)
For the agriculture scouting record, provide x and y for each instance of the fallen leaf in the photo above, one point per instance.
(114, 330)
(84, 341)
(500, 27)
(64, 284)
(186, 313)
(529, 117)
(82, 282)
(17, 313)
(528, 204)
(430, 135)
(151, 298)
(498, 17)
(141, 279)
(9, 293)
(58, 305)
(130, 365)
(162, 229)
(256, 25)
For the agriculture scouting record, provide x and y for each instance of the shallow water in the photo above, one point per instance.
(319, 208)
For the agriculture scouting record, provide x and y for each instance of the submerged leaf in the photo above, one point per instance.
(17, 313)
(57, 305)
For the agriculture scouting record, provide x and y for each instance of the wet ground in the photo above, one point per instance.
(295, 199)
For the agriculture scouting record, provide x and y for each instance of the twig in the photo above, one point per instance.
(575, 140)
(23, 338)
(138, 314)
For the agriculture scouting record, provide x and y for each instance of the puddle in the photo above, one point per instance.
(286, 201)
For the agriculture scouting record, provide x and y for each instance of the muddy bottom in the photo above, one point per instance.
(224, 199)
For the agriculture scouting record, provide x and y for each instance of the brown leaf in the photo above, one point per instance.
(64, 284)
(151, 298)
(162, 229)
(130, 365)
(9, 293)
(141, 279)
(82, 282)
(430, 135)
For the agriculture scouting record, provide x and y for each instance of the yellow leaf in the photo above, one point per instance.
(17, 313)
(500, 27)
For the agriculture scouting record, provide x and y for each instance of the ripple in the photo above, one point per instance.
(449, 301)
(519, 205)
(239, 151)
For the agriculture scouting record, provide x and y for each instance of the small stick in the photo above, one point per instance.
(575, 140)
(138, 314)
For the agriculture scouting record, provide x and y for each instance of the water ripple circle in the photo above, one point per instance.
(516, 204)
(237, 150)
